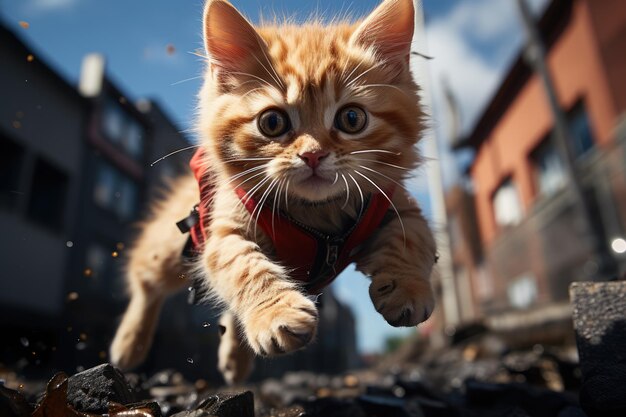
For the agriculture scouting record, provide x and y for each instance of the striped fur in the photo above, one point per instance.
(309, 72)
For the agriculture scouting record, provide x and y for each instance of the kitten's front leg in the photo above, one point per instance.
(400, 266)
(275, 315)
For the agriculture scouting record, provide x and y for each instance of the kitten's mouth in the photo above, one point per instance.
(315, 180)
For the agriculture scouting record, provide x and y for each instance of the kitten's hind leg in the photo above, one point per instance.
(235, 357)
(154, 271)
(134, 335)
(150, 284)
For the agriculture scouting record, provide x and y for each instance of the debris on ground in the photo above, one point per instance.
(403, 391)
(477, 375)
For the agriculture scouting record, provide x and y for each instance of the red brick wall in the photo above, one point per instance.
(577, 63)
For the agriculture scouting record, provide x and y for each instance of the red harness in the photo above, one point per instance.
(312, 257)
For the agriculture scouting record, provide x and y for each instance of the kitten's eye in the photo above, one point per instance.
(351, 119)
(273, 123)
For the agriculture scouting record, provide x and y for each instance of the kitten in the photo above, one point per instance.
(305, 130)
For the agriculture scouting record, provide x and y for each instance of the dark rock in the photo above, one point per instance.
(379, 406)
(515, 412)
(93, 389)
(467, 332)
(435, 408)
(534, 401)
(295, 411)
(600, 324)
(13, 404)
(417, 388)
(147, 406)
(193, 413)
(229, 405)
(431, 404)
(165, 378)
(572, 412)
(332, 407)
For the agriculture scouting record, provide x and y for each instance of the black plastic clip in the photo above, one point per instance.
(186, 224)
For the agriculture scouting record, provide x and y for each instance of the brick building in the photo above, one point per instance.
(532, 243)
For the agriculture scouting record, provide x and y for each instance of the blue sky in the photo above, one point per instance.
(473, 42)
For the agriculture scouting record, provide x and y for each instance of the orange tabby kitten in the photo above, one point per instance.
(307, 131)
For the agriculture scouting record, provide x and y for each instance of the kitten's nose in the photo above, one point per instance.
(313, 159)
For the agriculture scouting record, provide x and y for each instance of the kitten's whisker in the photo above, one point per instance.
(355, 79)
(252, 76)
(287, 195)
(382, 85)
(244, 173)
(390, 202)
(174, 153)
(252, 91)
(261, 203)
(198, 54)
(185, 80)
(385, 176)
(336, 178)
(347, 191)
(248, 159)
(255, 188)
(376, 150)
(279, 83)
(383, 163)
(346, 80)
(246, 82)
(360, 193)
(277, 77)
(276, 199)
(250, 194)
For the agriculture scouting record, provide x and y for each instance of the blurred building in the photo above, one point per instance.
(75, 173)
(529, 245)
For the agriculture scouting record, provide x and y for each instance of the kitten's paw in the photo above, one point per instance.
(403, 302)
(283, 325)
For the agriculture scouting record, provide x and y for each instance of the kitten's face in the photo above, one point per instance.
(318, 112)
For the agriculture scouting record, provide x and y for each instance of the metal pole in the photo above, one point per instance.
(434, 173)
(535, 55)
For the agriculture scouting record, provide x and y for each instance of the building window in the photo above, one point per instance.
(97, 262)
(579, 129)
(506, 205)
(47, 195)
(522, 291)
(11, 159)
(549, 171)
(121, 129)
(102, 269)
(115, 191)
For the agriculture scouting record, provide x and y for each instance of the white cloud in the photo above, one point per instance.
(50, 5)
(483, 19)
(472, 46)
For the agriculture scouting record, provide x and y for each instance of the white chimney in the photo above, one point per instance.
(92, 75)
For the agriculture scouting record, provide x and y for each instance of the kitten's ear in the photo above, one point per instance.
(231, 42)
(389, 29)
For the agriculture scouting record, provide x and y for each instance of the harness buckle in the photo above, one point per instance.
(186, 224)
